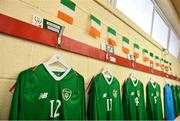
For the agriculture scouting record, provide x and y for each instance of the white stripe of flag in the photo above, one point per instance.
(67, 10)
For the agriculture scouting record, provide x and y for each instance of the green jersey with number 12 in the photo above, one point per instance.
(104, 99)
(39, 96)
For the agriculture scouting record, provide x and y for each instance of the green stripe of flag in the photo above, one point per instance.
(156, 57)
(151, 54)
(69, 4)
(96, 19)
(126, 40)
(166, 61)
(112, 31)
(145, 51)
(136, 46)
(162, 59)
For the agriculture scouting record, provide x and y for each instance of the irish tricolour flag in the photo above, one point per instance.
(95, 27)
(145, 55)
(151, 58)
(125, 45)
(162, 63)
(136, 50)
(157, 61)
(111, 36)
(66, 11)
(166, 65)
(170, 66)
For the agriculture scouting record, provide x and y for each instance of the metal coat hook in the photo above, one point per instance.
(60, 35)
(107, 56)
(133, 65)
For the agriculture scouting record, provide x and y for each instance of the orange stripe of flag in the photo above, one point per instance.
(65, 17)
(111, 42)
(136, 55)
(145, 59)
(151, 62)
(94, 32)
(125, 50)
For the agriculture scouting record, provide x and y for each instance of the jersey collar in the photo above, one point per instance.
(135, 83)
(56, 77)
(154, 84)
(109, 82)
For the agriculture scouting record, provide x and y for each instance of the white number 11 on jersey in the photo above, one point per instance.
(109, 104)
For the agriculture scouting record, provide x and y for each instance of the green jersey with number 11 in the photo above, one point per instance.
(104, 99)
(39, 96)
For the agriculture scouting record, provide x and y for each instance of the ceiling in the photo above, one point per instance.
(176, 4)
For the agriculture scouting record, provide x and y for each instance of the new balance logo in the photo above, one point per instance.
(104, 95)
(132, 93)
(43, 95)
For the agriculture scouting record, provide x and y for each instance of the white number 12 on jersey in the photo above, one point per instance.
(55, 113)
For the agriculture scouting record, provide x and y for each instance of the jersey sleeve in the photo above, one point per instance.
(120, 106)
(160, 103)
(143, 101)
(125, 101)
(83, 103)
(92, 105)
(15, 104)
(148, 108)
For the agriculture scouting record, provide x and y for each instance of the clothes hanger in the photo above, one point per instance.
(132, 76)
(152, 80)
(133, 79)
(107, 72)
(107, 75)
(56, 59)
(167, 82)
(63, 67)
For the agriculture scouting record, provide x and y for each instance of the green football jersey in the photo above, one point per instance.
(104, 99)
(39, 96)
(133, 100)
(178, 90)
(175, 98)
(153, 101)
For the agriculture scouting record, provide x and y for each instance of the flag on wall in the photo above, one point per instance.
(111, 36)
(151, 58)
(95, 28)
(162, 63)
(157, 61)
(166, 66)
(136, 50)
(66, 11)
(145, 55)
(170, 66)
(125, 45)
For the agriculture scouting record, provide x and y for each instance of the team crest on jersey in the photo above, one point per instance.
(138, 93)
(157, 93)
(66, 94)
(114, 93)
